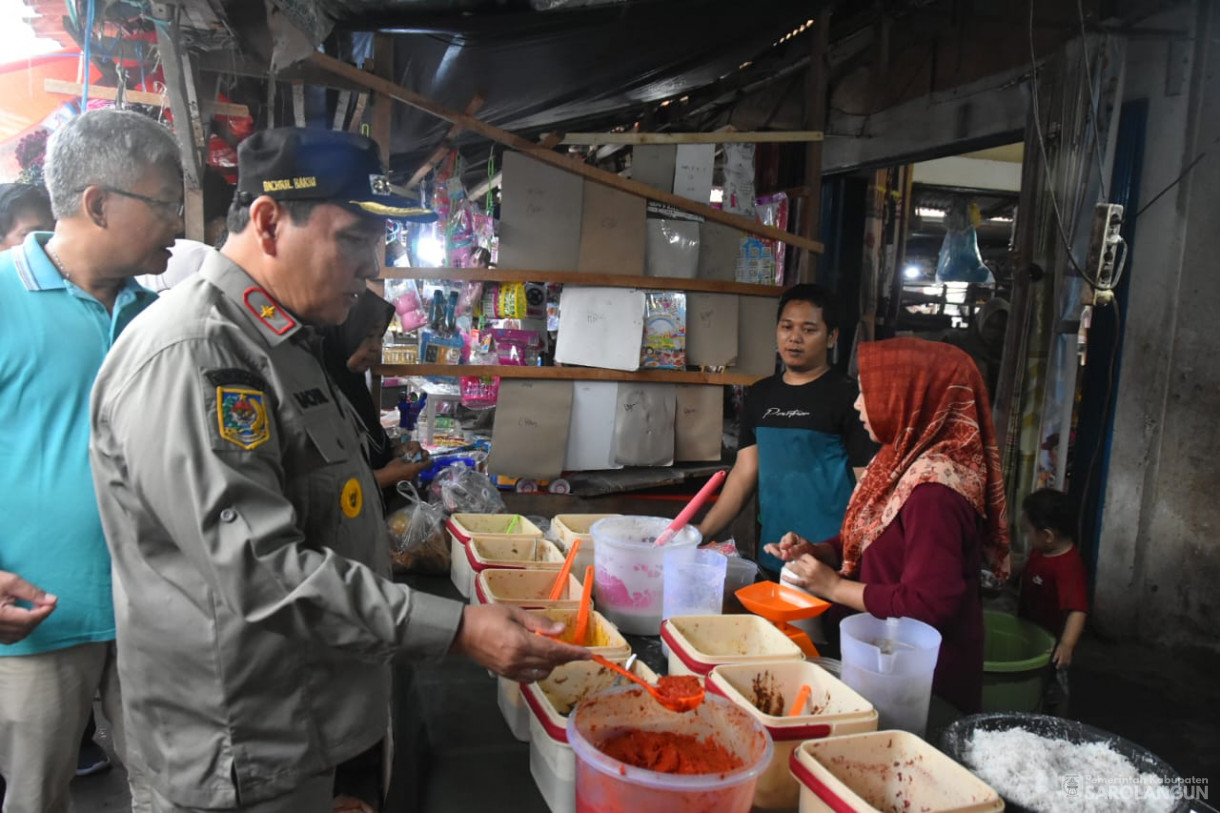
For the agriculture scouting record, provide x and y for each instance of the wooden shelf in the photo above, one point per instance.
(584, 278)
(566, 373)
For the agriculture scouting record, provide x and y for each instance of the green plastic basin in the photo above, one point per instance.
(1015, 655)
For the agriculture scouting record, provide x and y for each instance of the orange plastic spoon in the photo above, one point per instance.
(677, 698)
(798, 705)
(562, 581)
(581, 633)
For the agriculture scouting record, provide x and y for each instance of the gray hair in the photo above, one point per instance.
(105, 148)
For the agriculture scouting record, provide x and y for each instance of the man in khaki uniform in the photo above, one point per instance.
(256, 619)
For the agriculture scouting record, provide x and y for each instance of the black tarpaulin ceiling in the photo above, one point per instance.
(589, 66)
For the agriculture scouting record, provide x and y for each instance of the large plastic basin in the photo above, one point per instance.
(1015, 655)
(605, 785)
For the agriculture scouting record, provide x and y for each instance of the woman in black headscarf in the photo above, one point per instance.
(348, 352)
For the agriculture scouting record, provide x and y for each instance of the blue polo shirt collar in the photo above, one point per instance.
(38, 273)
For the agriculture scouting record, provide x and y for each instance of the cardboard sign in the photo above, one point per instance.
(699, 425)
(711, 329)
(529, 438)
(644, 424)
(756, 335)
(611, 232)
(540, 215)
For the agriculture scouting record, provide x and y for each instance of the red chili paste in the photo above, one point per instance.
(667, 752)
(678, 687)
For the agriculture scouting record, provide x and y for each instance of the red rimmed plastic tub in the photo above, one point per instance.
(605, 785)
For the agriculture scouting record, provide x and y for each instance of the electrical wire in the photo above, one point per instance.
(1046, 167)
(1173, 183)
(84, 96)
(1094, 107)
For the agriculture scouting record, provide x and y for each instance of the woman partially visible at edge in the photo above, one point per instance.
(349, 351)
(929, 512)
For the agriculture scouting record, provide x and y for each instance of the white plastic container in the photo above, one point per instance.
(698, 643)
(498, 552)
(604, 639)
(882, 771)
(569, 528)
(891, 662)
(629, 577)
(462, 527)
(525, 588)
(552, 763)
(767, 690)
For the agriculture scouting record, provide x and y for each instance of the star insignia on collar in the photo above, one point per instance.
(267, 311)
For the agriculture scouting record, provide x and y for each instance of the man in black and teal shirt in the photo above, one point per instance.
(801, 444)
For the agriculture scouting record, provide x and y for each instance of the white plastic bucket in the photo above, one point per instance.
(629, 578)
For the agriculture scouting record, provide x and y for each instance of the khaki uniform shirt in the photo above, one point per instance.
(255, 617)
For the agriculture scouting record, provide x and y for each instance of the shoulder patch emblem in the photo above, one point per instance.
(264, 308)
(242, 414)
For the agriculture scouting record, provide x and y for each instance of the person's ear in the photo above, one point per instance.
(832, 339)
(267, 221)
(93, 205)
(1046, 536)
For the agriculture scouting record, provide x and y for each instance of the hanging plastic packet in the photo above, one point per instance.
(664, 344)
(471, 293)
(479, 393)
(436, 348)
(517, 347)
(410, 308)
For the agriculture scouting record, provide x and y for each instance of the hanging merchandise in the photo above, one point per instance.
(761, 260)
(664, 344)
(504, 301)
(739, 179)
(519, 348)
(410, 307)
(959, 259)
(437, 348)
(480, 392)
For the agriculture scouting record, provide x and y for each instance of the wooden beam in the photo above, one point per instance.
(584, 278)
(188, 123)
(383, 103)
(566, 373)
(597, 139)
(548, 141)
(815, 116)
(556, 160)
(139, 97)
(438, 155)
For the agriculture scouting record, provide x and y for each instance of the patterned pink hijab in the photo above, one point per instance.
(927, 404)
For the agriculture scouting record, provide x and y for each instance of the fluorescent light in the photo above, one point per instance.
(430, 249)
(930, 213)
(911, 272)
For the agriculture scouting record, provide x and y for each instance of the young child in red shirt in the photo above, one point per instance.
(1054, 587)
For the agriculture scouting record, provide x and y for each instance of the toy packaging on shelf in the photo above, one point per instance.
(518, 348)
(479, 392)
(436, 348)
(761, 261)
(408, 303)
(664, 344)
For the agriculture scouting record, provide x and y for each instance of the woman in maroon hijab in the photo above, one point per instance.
(927, 515)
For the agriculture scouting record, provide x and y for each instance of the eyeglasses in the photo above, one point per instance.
(175, 208)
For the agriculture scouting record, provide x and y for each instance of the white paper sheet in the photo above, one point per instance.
(693, 171)
(600, 327)
(591, 433)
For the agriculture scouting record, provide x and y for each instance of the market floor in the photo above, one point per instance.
(466, 759)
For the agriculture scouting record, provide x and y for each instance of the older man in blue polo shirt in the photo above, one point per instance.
(115, 183)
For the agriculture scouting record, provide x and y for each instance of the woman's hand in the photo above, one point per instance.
(790, 547)
(813, 576)
(399, 469)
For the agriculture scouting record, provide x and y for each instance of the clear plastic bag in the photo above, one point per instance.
(417, 535)
(466, 491)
